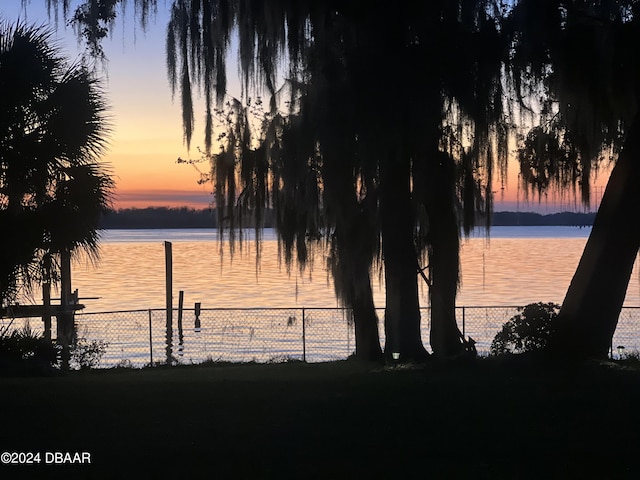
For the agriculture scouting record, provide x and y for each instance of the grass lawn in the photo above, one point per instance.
(483, 419)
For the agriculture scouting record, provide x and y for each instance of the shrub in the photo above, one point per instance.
(124, 364)
(283, 359)
(529, 330)
(24, 351)
(87, 354)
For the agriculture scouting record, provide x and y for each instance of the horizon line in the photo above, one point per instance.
(210, 207)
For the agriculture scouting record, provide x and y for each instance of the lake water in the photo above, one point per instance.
(514, 266)
(259, 311)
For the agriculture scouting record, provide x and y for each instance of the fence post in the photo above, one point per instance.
(463, 324)
(348, 329)
(168, 259)
(304, 337)
(150, 341)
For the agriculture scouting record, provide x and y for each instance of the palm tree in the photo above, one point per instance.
(53, 129)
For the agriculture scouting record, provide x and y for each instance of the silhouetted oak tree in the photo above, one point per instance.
(581, 56)
(407, 71)
(391, 133)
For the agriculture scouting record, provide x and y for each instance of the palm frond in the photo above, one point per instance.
(53, 129)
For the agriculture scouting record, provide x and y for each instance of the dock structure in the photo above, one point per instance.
(45, 311)
(64, 312)
(30, 311)
(65, 325)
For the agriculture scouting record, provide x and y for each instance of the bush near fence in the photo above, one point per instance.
(140, 337)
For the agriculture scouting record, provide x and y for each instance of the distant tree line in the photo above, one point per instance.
(165, 217)
(537, 219)
(159, 217)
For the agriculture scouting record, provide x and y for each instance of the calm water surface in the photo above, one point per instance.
(514, 266)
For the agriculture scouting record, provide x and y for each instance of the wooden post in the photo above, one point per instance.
(196, 311)
(180, 335)
(46, 297)
(65, 327)
(65, 277)
(168, 258)
(46, 303)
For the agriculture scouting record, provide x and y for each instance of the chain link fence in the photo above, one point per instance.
(144, 337)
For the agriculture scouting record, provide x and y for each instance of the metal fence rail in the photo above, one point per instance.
(142, 337)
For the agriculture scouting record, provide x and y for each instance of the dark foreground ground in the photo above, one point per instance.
(485, 419)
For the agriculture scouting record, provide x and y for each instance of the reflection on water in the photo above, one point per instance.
(516, 266)
(132, 275)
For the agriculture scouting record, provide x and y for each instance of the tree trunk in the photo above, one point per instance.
(46, 316)
(445, 337)
(350, 268)
(402, 310)
(65, 325)
(444, 260)
(590, 311)
(365, 321)
(355, 240)
(365, 317)
(46, 296)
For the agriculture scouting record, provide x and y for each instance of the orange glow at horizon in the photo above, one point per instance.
(155, 179)
(513, 196)
(162, 198)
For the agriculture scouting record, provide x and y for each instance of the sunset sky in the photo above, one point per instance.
(147, 133)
